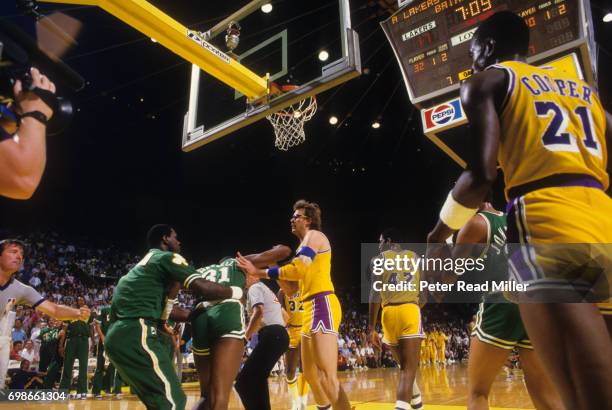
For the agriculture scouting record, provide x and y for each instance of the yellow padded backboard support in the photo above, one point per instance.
(154, 23)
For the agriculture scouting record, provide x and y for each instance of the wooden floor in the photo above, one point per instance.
(443, 389)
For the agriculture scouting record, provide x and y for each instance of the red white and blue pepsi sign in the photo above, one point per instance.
(443, 115)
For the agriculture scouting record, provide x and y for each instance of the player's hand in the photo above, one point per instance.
(27, 101)
(167, 329)
(375, 339)
(85, 313)
(245, 265)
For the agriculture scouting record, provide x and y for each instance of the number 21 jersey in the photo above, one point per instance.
(551, 123)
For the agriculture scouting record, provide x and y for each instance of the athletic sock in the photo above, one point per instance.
(293, 392)
(402, 405)
(416, 402)
(302, 388)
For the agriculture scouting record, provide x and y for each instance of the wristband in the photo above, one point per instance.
(454, 215)
(273, 272)
(37, 115)
(168, 308)
(236, 292)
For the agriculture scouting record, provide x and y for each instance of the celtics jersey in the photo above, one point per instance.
(550, 123)
(226, 273)
(103, 318)
(495, 253)
(398, 277)
(142, 292)
(49, 337)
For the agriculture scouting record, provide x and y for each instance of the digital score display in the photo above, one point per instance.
(431, 37)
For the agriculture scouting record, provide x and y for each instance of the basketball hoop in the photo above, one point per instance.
(288, 123)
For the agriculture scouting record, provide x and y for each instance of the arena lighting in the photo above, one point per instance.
(607, 18)
(376, 125)
(323, 55)
(266, 8)
(333, 120)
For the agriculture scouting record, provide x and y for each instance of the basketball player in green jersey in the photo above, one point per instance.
(77, 348)
(49, 348)
(499, 327)
(219, 331)
(104, 376)
(139, 305)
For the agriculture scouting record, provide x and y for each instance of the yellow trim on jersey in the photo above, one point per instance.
(156, 368)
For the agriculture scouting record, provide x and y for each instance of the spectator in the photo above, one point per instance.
(25, 379)
(18, 334)
(16, 351)
(28, 353)
(34, 281)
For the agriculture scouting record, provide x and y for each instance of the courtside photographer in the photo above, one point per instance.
(30, 109)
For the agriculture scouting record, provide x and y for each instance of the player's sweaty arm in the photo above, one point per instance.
(269, 257)
(172, 310)
(470, 242)
(294, 270)
(480, 97)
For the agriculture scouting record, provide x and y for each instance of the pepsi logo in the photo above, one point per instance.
(443, 114)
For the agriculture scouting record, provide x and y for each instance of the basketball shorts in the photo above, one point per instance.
(401, 322)
(135, 348)
(225, 319)
(500, 324)
(560, 238)
(322, 313)
(295, 335)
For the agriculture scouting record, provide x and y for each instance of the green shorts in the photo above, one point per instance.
(225, 319)
(135, 348)
(500, 324)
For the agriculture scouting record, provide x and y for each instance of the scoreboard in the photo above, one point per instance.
(430, 38)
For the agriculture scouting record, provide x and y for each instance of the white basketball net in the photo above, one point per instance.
(289, 123)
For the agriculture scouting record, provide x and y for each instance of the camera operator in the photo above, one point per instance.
(13, 292)
(23, 157)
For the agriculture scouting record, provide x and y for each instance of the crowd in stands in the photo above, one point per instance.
(61, 270)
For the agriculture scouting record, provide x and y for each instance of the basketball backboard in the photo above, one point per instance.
(285, 44)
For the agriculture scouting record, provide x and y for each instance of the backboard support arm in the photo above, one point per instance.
(188, 44)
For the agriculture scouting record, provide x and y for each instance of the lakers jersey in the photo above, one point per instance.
(318, 276)
(294, 307)
(551, 123)
(411, 275)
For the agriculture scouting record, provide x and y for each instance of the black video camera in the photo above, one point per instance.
(18, 54)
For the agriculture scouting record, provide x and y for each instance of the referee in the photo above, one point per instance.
(13, 292)
(273, 341)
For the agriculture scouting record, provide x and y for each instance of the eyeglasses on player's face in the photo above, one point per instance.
(295, 217)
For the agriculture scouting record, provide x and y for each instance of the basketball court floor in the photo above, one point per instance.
(443, 389)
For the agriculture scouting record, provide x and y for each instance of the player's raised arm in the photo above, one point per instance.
(313, 242)
(269, 257)
(480, 97)
(179, 270)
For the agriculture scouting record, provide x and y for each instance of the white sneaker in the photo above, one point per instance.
(118, 396)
